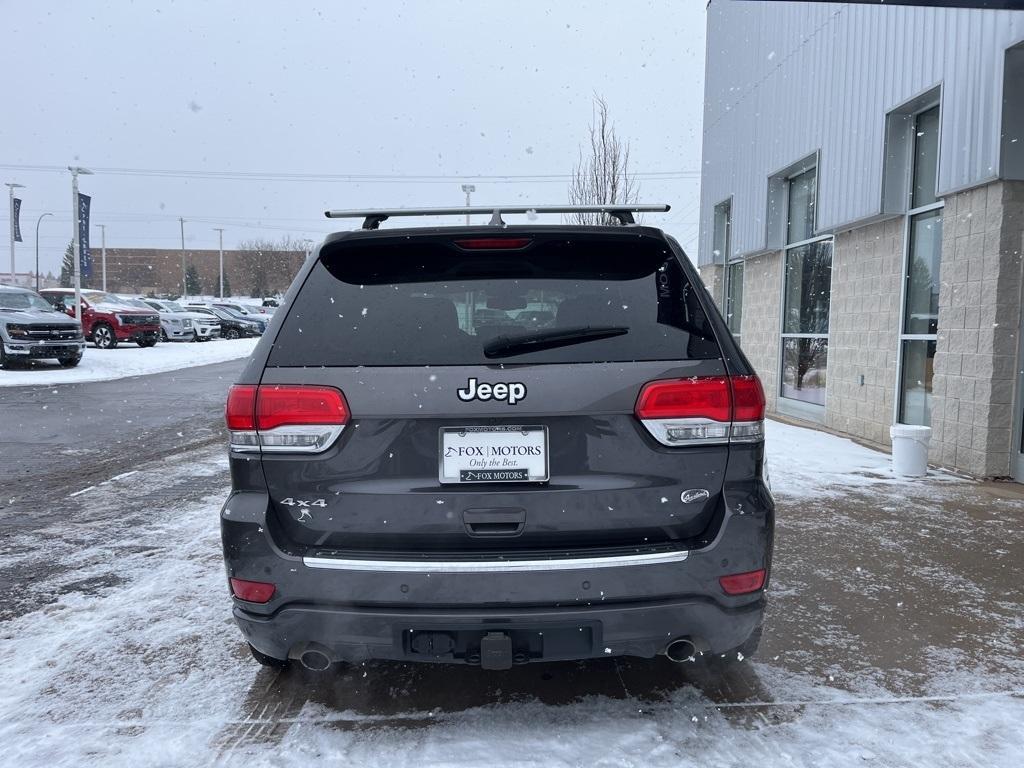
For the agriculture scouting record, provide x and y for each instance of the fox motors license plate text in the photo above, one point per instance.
(505, 454)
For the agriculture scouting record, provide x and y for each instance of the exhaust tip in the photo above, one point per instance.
(680, 650)
(315, 660)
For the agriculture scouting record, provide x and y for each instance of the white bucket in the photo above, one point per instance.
(910, 449)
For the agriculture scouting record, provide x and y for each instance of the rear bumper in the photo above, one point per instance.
(571, 609)
(552, 633)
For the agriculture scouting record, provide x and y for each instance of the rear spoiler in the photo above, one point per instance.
(372, 218)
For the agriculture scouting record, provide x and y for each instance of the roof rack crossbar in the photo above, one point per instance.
(372, 218)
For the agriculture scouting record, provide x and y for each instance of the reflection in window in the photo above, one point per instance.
(804, 363)
(926, 157)
(916, 382)
(734, 298)
(808, 288)
(924, 257)
(720, 235)
(803, 189)
(806, 301)
(922, 306)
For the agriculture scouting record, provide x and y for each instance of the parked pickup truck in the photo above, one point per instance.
(106, 319)
(32, 329)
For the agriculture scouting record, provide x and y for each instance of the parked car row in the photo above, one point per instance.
(43, 325)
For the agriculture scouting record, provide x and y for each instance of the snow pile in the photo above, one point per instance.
(128, 359)
(806, 462)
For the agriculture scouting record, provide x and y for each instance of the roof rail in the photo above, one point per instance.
(373, 218)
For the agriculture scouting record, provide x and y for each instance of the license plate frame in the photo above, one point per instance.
(495, 474)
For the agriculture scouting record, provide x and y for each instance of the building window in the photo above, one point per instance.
(921, 279)
(720, 235)
(732, 279)
(807, 293)
(734, 297)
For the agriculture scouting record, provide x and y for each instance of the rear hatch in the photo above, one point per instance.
(489, 391)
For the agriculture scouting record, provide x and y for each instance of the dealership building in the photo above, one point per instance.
(862, 208)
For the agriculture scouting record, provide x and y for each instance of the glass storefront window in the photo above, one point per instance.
(922, 304)
(806, 302)
(924, 258)
(734, 298)
(916, 381)
(804, 365)
(926, 157)
(808, 288)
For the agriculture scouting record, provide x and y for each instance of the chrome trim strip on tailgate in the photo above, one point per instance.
(494, 566)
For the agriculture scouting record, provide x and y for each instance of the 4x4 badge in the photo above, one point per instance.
(513, 391)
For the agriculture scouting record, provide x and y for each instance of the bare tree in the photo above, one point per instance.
(602, 177)
(264, 266)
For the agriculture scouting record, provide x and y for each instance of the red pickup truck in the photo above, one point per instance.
(105, 319)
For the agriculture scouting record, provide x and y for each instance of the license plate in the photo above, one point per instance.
(512, 454)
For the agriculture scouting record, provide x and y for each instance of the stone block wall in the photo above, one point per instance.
(977, 352)
(762, 292)
(864, 324)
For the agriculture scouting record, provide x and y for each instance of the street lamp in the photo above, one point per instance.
(220, 235)
(184, 276)
(75, 225)
(38, 222)
(103, 251)
(468, 189)
(10, 189)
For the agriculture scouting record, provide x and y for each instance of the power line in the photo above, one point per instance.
(370, 178)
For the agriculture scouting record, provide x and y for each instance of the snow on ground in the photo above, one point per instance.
(128, 359)
(148, 670)
(806, 462)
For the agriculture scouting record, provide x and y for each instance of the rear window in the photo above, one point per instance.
(432, 303)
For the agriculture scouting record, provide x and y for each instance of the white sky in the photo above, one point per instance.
(450, 89)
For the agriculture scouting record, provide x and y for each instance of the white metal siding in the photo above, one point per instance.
(787, 79)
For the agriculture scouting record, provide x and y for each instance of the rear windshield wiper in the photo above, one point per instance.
(506, 346)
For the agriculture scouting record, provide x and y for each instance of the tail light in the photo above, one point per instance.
(494, 243)
(272, 417)
(703, 410)
(252, 591)
(743, 583)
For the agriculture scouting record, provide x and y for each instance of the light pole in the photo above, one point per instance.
(38, 221)
(103, 252)
(220, 237)
(10, 189)
(184, 282)
(468, 189)
(75, 224)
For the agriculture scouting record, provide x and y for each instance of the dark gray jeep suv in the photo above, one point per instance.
(495, 445)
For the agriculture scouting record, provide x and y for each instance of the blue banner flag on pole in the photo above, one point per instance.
(17, 224)
(84, 256)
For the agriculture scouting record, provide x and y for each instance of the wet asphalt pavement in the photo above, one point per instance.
(56, 440)
(892, 594)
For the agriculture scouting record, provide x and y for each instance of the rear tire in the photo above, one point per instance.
(103, 336)
(69, 362)
(268, 661)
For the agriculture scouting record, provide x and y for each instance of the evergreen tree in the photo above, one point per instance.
(67, 268)
(192, 287)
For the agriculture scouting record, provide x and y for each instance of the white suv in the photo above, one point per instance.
(201, 327)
